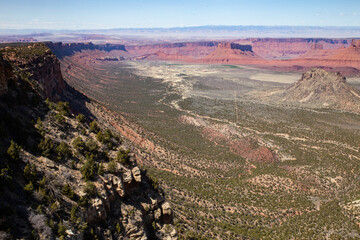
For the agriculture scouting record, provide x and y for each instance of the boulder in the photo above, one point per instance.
(127, 176)
(118, 185)
(166, 209)
(157, 214)
(136, 173)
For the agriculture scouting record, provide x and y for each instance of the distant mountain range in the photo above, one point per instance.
(204, 32)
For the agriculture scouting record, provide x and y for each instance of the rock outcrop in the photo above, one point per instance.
(319, 88)
(58, 188)
(37, 65)
(67, 49)
(232, 53)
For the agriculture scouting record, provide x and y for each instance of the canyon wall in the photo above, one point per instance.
(38, 66)
(271, 48)
(67, 49)
(191, 49)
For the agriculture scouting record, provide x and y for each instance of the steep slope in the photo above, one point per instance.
(60, 176)
(284, 48)
(348, 56)
(5, 75)
(232, 53)
(320, 88)
(163, 56)
(37, 65)
(192, 50)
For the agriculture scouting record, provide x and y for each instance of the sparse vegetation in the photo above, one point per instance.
(46, 147)
(92, 146)
(63, 150)
(79, 144)
(94, 127)
(67, 191)
(14, 151)
(123, 156)
(88, 170)
(111, 167)
(90, 190)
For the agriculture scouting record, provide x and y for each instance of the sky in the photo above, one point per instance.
(106, 14)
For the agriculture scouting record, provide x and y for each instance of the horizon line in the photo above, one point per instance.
(177, 27)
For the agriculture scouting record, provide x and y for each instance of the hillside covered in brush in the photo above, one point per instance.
(63, 174)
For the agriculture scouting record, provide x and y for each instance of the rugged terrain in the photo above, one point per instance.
(321, 89)
(231, 166)
(63, 174)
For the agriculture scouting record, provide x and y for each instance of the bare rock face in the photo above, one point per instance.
(136, 173)
(166, 209)
(127, 176)
(96, 212)
(235, 46)
(119, 186)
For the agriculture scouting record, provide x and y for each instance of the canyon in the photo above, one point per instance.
(225, 139)
(240, 148)
(279, 54)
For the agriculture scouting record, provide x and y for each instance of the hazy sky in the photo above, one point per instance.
(81, 14)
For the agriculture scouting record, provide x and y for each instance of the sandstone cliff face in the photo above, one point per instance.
(244, 48)
(39, 66)
(68, 49)
(232, 53)
(189, 50)
(271, 48)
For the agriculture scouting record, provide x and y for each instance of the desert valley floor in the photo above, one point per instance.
(231, 162)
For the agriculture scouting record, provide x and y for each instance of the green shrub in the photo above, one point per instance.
(61, 230)
(54, 207)
(100, 137)
(94, 127)
(63, 150)
(63, 108)
(50, 104)
(101, 169)
(83, 131)
(83, 201)
(42, 182)
(90, 189)
(79, 144)
(88, 170)
(40, 126)
(59, 118)
(30, 172)
(46, 146)
(111, 167)
(118, 228)
(105, 137)
(153, 181)
(67, 191)
(73, 213)
(14, 151)
(92, 146)
(123, 156)
(29, 187)
(5, 176)
(80, 118)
